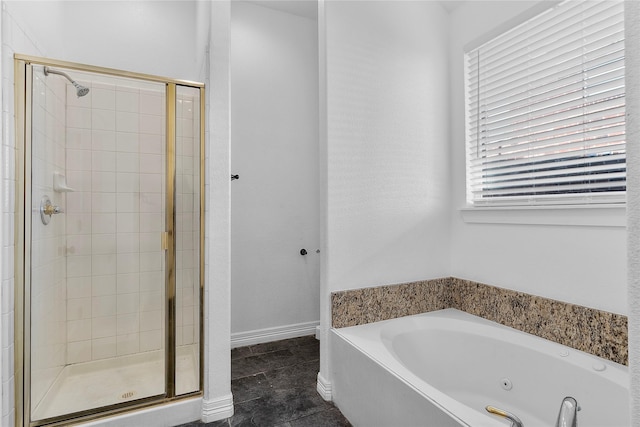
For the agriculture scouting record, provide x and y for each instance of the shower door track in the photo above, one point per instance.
(22, 334)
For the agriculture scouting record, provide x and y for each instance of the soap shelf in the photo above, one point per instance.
(60, 183)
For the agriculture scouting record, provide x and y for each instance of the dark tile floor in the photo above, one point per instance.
(274, 385)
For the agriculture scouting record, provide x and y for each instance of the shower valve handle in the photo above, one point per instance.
(52, 210)
(47, 209)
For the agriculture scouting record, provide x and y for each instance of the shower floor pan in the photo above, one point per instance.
(106, 382)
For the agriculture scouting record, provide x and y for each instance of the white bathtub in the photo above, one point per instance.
(443, 368)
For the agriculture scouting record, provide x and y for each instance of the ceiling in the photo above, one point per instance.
(304, 8)
(309, 8)
(450, 5)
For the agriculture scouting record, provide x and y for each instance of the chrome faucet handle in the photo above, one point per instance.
(515, 421)
(47, 209)
(568, 414)
(52, 210)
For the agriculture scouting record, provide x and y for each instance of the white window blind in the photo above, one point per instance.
(546, 110)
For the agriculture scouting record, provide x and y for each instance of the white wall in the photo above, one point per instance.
(387, 94)
(6, 238)
(154, 37)
(584, 265)
(385, 156)
(275, 203)
(217, 400)
(632, 58)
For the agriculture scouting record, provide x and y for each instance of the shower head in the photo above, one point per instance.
(80, 90)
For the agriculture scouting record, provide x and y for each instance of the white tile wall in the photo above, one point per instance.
(187, 219)
(115, 158)
(49, 326)
(103, 327)
(102, 348)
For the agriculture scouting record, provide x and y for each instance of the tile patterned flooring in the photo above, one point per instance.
(274, 385)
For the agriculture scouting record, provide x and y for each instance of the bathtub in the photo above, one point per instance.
(443, 368)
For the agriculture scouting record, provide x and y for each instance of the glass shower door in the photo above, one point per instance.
(97, 256)
(188, 239)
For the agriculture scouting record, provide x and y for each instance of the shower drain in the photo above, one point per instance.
(128, 394)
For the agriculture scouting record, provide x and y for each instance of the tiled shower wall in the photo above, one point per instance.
(115, 164)
(187, 219)
(48, 266)
(14, 39)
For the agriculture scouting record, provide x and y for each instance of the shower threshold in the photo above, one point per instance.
(106, 382)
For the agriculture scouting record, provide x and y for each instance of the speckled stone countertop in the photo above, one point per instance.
(593, 331)
(367, 305)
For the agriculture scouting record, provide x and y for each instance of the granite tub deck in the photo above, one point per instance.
(593, 331)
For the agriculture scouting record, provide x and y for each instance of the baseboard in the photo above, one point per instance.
(172, 414)
(324, 388)
(241, 339)
(217, 409)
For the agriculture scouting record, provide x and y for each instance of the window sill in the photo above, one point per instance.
(582, 216)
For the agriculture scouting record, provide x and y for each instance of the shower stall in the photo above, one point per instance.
(109, 261)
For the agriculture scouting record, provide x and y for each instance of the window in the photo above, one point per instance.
(546, 110)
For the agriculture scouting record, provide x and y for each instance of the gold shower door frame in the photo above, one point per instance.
(23, 133)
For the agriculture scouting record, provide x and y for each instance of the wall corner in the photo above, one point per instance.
(217, 399)
(632, 78)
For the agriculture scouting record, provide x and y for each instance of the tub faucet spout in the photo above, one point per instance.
(568, 415)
